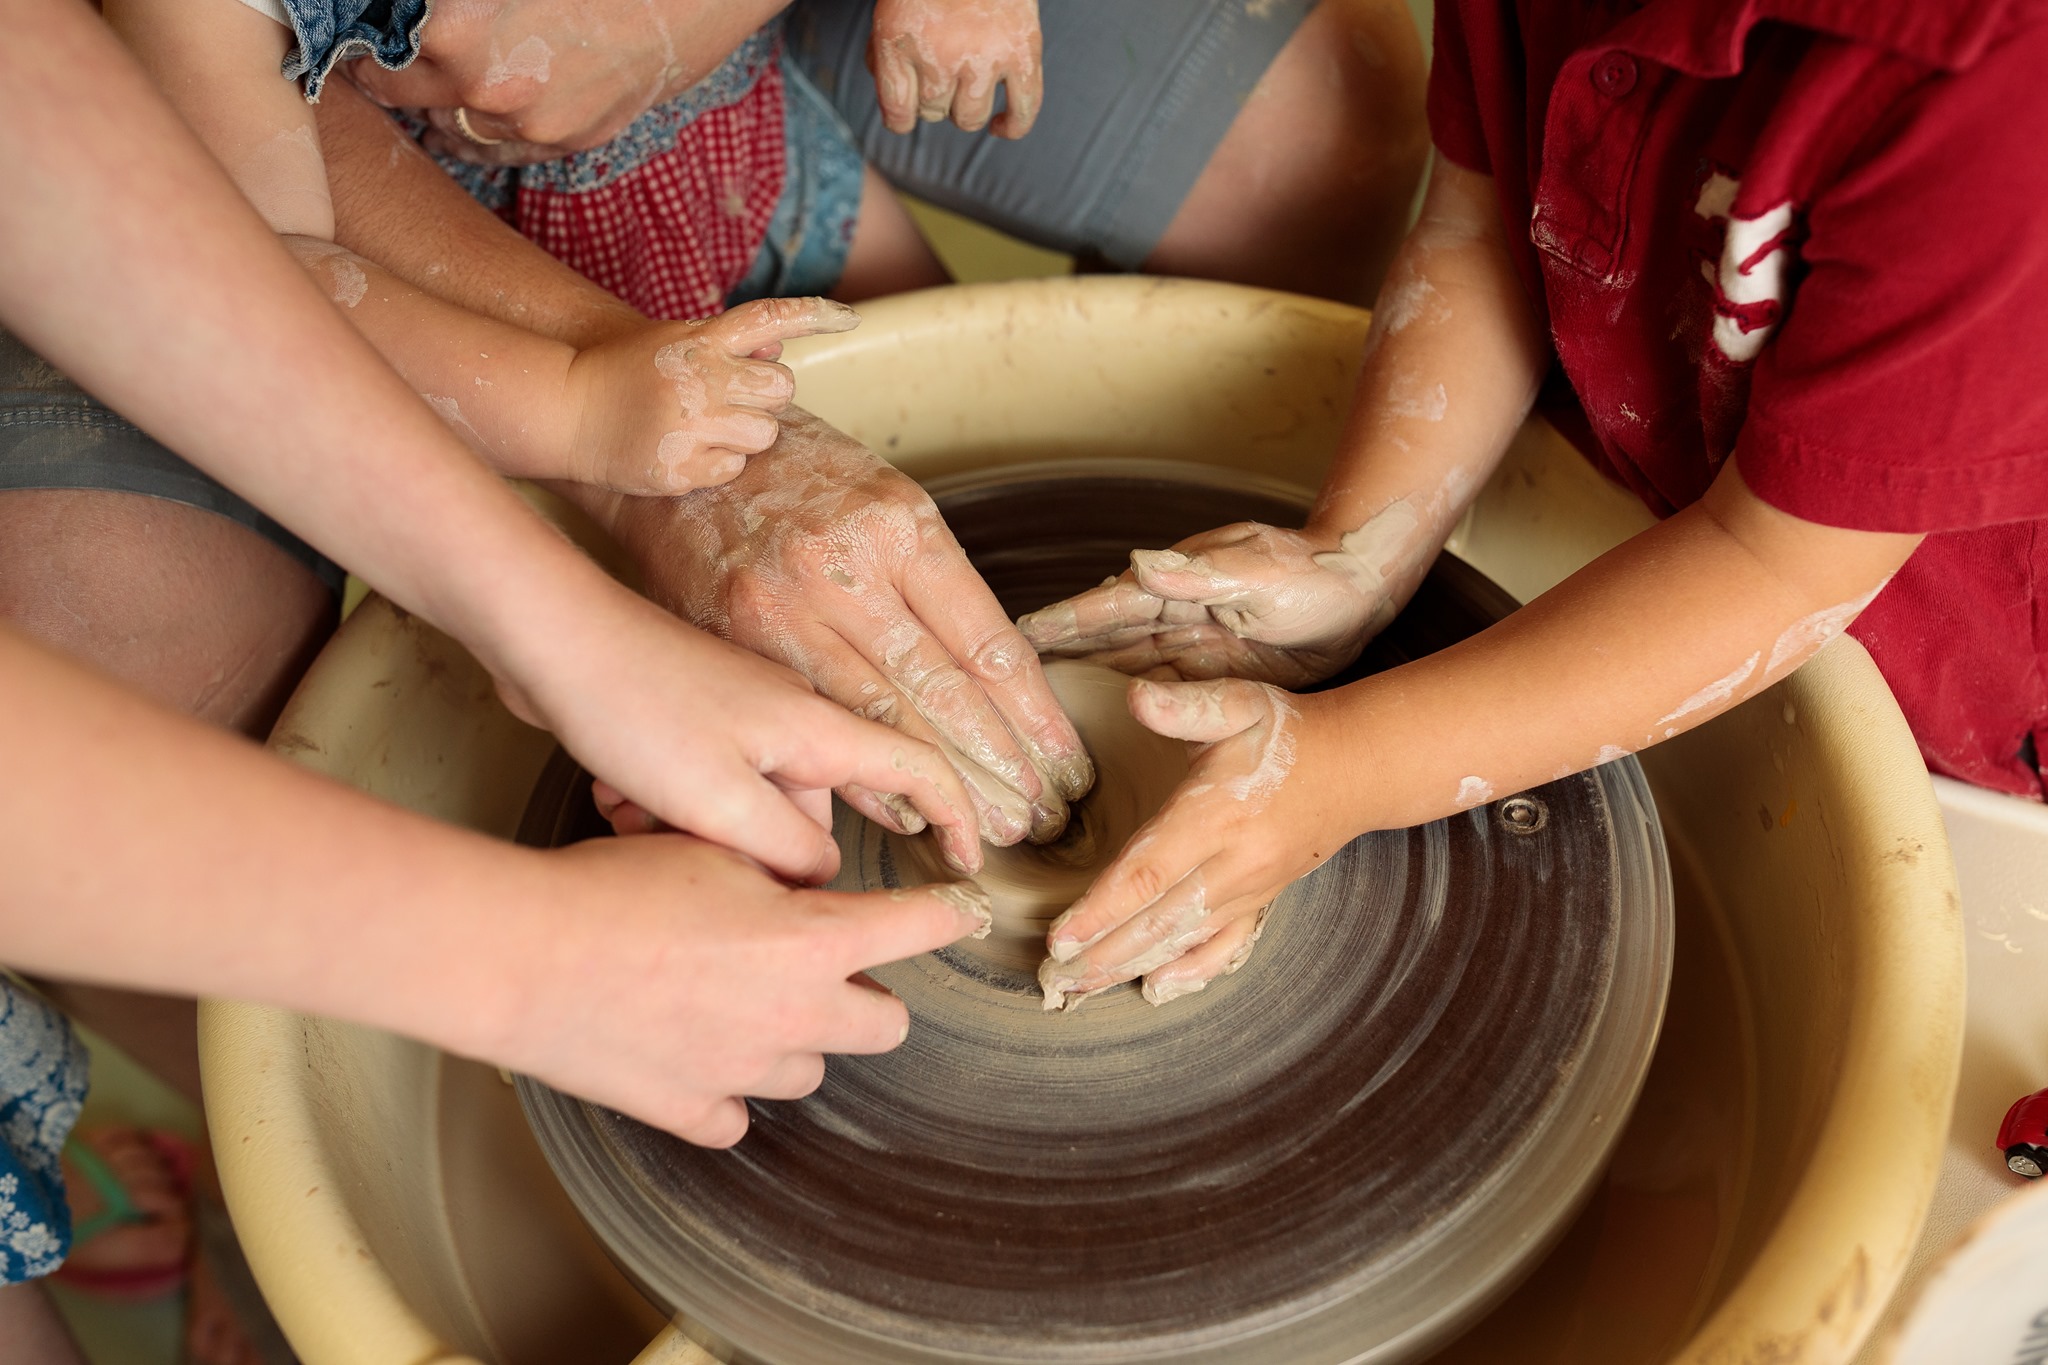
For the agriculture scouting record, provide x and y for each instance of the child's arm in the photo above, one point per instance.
(917, 639)
(660, 975)
(1661, 634)
(1451, 366)
(657, 410)
(679, 406)
(128, 261)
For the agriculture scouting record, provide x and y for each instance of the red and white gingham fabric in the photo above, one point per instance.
(676, 234)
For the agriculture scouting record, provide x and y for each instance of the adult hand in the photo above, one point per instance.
(543, 79)
(935, 59)
(1186, 899)
(822, 556)
(675, 979)
(720, 741)
(1244, 601)
(672, 406)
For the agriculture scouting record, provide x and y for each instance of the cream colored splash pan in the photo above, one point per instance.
(1770, 1185)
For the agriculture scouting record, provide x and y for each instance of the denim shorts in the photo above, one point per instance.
(55, 435)
(811, 232)
(1138, 94)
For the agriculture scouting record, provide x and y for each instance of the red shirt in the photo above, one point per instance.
(1811, 235)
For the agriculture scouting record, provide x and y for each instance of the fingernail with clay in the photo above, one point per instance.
(1048, 625)
(1159, 561)
(971, 901)
(1157, 991)
(1065, 947)
(908, 820)
(1047, 821)
(1062, 989)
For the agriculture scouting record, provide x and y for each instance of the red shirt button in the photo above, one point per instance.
(1614, 74)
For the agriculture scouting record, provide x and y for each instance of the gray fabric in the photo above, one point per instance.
(55, 435)
(1138, 93)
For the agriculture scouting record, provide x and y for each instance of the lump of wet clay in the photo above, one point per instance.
(1031, 885)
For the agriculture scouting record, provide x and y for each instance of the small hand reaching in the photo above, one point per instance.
(679, 405)
(1187, 898)
(934, 59)
(1244, 601)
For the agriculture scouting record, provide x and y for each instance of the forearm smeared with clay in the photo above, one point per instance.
(661, 409)
(1661, 634)
(1451, 365)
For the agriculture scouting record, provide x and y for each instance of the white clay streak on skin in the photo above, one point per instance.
(1713, 694)
(969, 898)
(1407, 398)
(347, 282)
(1805, 636)
(1276, 756)
(1473, 791)
(529, 59)
(450, 412)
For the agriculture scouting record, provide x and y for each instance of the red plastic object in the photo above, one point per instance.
(2023, 1137)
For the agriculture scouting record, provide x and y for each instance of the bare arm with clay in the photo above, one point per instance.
(1660, 634)
(917, 640)
(1657, 636)
(167, 281)
(671, 407)
(662, 976)
(1451, 366)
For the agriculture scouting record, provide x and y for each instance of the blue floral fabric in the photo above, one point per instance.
(42, 1085)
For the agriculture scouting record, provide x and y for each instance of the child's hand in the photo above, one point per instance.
(1185, 899)
(681, 405)
(938, 58)
(723, 743)
(670, 979)
(1243, 601)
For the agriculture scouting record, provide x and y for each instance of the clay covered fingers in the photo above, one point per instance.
(822, 557)
(670, 407)
(1186, 898)
(1248, 601)
(940, 59)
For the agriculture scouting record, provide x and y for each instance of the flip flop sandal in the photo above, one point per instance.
(117, 1209)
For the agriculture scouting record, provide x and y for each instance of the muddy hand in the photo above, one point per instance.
(680, 405)
(821, 556)
(718, 741)
(1186, 899)
(672, 980)
(1244, 601)
(939, 59)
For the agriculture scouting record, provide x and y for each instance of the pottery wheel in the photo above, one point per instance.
(1343, 1152)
